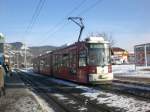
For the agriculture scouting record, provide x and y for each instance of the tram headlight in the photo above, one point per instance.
(109, 69)
(92, 70)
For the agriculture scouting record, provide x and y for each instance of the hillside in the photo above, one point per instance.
(34, 50)
(37, 50)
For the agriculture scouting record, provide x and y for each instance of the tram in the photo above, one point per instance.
(85, 61)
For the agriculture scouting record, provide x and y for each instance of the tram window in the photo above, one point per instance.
(82, 58)
(64, 55)
(82, 62)
(66, 60)
(73, 59)
(96, 46)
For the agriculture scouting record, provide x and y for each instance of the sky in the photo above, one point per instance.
(126, 21)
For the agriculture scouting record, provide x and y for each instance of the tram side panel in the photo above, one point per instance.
(45, 64)
(46, 68)
(66, 65)
(62, 62)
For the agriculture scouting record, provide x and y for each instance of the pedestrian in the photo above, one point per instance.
(6, 68)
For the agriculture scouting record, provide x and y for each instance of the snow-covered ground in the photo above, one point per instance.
(129, 104)
(129, 70)
(113, 100)
(19, 100)
(44, 106)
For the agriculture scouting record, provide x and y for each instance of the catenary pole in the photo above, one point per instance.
(79, 23)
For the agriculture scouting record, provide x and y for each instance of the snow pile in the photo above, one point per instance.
(82, 109)
(61, 97)
(113, 100)
(123, 102)
(118, 101)
(42, 103)
(27, 104)
(123, 68)
(129, 71)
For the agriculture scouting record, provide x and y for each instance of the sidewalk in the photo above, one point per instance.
(18, 98)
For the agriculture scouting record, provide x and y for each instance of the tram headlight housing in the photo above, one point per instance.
(92, 70)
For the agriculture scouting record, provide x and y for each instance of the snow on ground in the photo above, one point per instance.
(127, 103)
(26, 103)
(70, 101)
(112, 100)
(123, 68)
(19, 100)
(123, 102)
(45, 107)
(82, 109)
(61, 97)
(129, 70)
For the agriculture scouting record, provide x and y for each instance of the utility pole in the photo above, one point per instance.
(17, 60)
(25, 56)
(145, 52)
(79, 23)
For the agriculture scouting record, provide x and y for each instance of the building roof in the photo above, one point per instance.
(117, 49)
(140, 45)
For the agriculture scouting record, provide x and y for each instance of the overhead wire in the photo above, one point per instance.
(34, 16)
(90, 7)
(81, 13)
(60, 25)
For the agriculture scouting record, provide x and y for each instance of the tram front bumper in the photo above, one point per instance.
(100, 77)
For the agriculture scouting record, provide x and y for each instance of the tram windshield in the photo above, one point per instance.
(98, 54)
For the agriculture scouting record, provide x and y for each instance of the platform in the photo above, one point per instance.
(18, 98)
(133, 78)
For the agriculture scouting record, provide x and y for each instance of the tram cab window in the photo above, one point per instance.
(98, 54)
(82, 58)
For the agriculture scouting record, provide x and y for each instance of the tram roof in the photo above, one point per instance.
(95, 40)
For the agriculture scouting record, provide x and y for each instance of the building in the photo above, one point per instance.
(131, 58)
(119, 55)
(16, 52)
(142, 54)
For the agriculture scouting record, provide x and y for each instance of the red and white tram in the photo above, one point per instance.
(87, 61)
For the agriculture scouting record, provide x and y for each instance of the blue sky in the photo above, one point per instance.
(126, 20)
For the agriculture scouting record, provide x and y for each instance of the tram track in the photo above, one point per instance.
(77, 93)
(134, 89)
(83, 102)
(50, 100)
(74, 95)
(137, 91)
